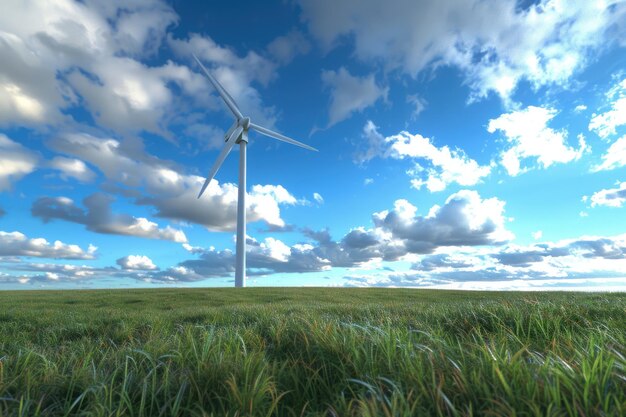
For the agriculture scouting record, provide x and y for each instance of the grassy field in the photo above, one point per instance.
(311, 352)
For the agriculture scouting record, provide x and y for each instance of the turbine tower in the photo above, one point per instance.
(238, 134)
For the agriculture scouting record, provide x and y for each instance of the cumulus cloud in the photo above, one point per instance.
(511, 266)
(587, 257)
(465, 220)
(444, 166)
(614, 157)
(350, 93)
(128, 96)
(544, 43)
(18, 244)
(263, 257)
(584, 254)
(444, 261)
(98, 217)
(584, 257)
(529, 137)
(521, 256)
(66, 53)
(52, 274)
(16, 161)
(447, 166)
(57, 269)
(136, 262)
(43, 274)
(74, 168)
(611, 197)
(172, 193)
(70, 54)
(606, 123)
(394, 279)
(360, 238)
(217, 209)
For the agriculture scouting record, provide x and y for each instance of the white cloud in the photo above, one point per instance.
(586, 255)
(612, 197)
(64, 53)
(554, 284)
(580, 108)
(445, 166)
(277, 192)
(464, 220)
(18, 244)
(13, 100)
(605, 124)
(217, 209)
(561, 263)
(530, 137)
(136, 262)
(129, 96)
(537, 235)
(614, 157)
(263, 257)
(52, 274)
(275, 249)
(99, 218)
(174, 195)
(368, 181)
(448, 166)
(350, 93)
(71, 167)
(544, 43)
(16, 161)
(498, 283)
(318, 198)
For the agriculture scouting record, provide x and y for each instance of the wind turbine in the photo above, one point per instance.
(238, 134)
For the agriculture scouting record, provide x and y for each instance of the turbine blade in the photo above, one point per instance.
(222, 92)
(220, 159)
(230, 131)
(278, 136)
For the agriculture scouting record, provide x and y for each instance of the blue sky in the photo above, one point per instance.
(475, 144)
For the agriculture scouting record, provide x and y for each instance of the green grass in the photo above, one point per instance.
(311, 352)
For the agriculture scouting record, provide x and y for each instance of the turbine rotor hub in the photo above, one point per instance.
(245, 123)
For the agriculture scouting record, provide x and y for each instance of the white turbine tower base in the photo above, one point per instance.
(238, 134)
